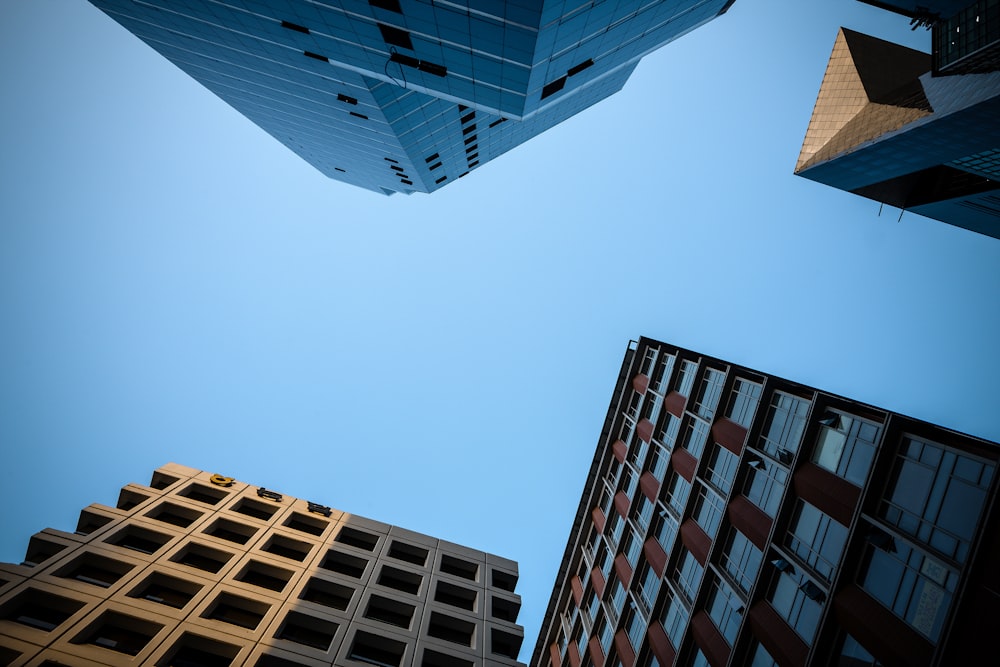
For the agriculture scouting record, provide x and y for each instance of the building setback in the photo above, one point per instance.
(916, 131)
(408, 95)
(735, 518)
(198, 569)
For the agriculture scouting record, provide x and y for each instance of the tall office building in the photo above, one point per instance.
(408, 95)
(198, 569)
(918, 132)
(731, 517)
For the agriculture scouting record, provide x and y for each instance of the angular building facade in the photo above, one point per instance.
(198, 569)
(732, 517)
(889, 127)
(408, 95)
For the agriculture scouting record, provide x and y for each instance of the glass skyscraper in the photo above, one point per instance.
(408, 95)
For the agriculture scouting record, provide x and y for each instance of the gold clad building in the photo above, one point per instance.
(198, 569)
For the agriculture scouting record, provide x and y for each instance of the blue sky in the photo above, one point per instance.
(177, 286)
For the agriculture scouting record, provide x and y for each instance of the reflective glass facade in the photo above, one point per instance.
(408, 95)
(808, 529)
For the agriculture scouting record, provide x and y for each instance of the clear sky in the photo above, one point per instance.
(177, 286)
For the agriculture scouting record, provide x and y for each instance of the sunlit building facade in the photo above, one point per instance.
(201, 570)
(408, 95)
(732, 517)
(915, 131)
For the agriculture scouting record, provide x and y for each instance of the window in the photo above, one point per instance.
(615, 528)
(139, 539)
(603, 560)
(451, 629)
(674, 619)
(504, 643)
(725, 608)
(647, 585)
(817, 539)
(651, 409)
(96, 570)
(166, 590)
(708, 394)
(743, 402)
(459, 567)
(456, 596)
(854, 654)
(604, 632)
(637, 453)
(936, 496)
(224, 529)
(196, 650)
(174, 514)
(592, 604)
(238, 611)
(632, 547)
(688, 574)
(765, 483)
(279, 545)
(635, 400)
(659, 462)
(400, 580)
(392, 612)
(665, 530)
(760, 656)
(306, 524)
(786, 421)
(661, 378)
(327, 593)
(635, 628)
(616, 596)
(740, 560)
(376, 650)
(677, 492)
(408, 553)
(255, 509)
(307, 630)
(337, 561)
(793, 598)
(695, 436)
(846, 447)
(264, 575)
(630, 481)
(39, 609)
(201, 557)
(669, 429)
(118, 632)
(721, 470)
(643, 512)
(916, 587)
(648, 360)
(685, 378)
(708, 510)
(507, 610)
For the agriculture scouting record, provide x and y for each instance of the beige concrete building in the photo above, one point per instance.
(199, 569)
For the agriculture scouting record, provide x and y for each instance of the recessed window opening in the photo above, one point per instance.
(224, 529)
(346, 98)
(160, 480)
(203, 494)
(497, 122)
(267, 660)
(395, 36)
(505, 610)
(264, 575)
(474, 163)
(359, 115)
(471, 139)
(128, 499)
(195, 651)
(316, 56)
(238, 611)
(201, 557)
(295, 26)
(39, 609)
(390, 611)
(473, 147)
(431, 158)
(306, 524)
(434, 166)
(174, 514)
(472, 157)
(375, 650)
(504, 580)
(40, 550)
(436, 659)
(400, 580)
(451, 629)
(405, 182)
(389, 159)
(255, 509)
(118, 632)
(338, 561)
(93, 569)
(287, 548)
(505, 644)
(388, 5)
(576, 69)
(553, 87)
(467, 117)
(307, 630)
(469, 128)
(91, 521)
(339, 169)
(327, 593)
(138, 539)
(395, 168)
(357, 538)
(456, 596)
(441, 180)
(165, 590)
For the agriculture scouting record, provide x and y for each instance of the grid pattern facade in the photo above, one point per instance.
(197, 569)
(736, 518)
(407, 95)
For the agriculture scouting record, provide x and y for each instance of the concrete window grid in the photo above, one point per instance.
(264, 609)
